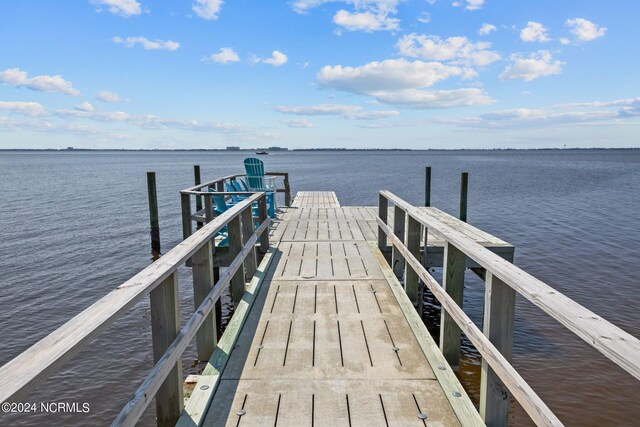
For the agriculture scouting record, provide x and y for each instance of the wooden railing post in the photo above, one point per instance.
(412, 243)
(165, 325)
(262, 216)
(464, 184)
(287, 190)
(453, 276)
(154, 229)
(235, 246)
(383, 208)
(206, 337)
(397, 260)
(499, 314)
(250, 264)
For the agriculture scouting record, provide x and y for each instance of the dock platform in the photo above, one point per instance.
(328, 340)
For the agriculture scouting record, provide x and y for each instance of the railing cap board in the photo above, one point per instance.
(613, 342)
(524, 394)
(38, 362)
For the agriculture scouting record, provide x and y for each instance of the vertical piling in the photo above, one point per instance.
(197, 181)
(464, 183)
(153, 215)
(427, 186)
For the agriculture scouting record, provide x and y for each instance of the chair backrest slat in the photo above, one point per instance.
(255, 172)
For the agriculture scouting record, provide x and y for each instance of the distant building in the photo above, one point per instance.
(233, 148)
(69, 148)
(278, 149)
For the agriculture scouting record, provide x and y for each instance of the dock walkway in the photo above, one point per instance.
(327, 341)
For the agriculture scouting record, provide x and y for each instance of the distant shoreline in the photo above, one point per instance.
(218, 150)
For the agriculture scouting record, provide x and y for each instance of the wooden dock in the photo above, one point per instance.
(327, 341)
(325, 329)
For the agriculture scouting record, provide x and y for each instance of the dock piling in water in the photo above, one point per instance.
(464, 184)
(154, 223)
(427, 186)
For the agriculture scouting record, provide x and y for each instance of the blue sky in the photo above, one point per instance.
(319, 73)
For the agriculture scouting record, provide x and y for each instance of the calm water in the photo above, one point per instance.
(75, 225)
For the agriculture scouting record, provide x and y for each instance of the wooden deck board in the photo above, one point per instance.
(331, 344)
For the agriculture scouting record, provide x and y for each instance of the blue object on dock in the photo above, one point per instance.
(257, 181)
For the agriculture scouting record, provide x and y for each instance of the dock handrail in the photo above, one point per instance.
(502, 280)
(159, 280)
(218, 184)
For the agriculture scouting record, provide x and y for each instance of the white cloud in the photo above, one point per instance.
(390, 74)
(425, 17)
(534, 32)
(25, 108)
(365, 21)
(352, 112)
(470, 4)
(585, 30)
(44, 83)
(207, 9)
(225, 56)
(564, 41)
(536, 65)
(457, 50)
(277, 59)
(85, 106)
(147, 44)
(486, 29)
(367, 15)
(435, 99)
(124, 8)
(106, 96)
(585, 113)
(400, 82)
(297, 123)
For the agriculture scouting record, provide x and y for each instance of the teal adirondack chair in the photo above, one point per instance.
(258, 182)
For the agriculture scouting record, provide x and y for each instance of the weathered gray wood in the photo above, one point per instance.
(616, 344)
(383, 208)
(154, 229)
(235, 245)
(196, 407)
(165, 324)
(203, 282)
(413, 244)
(528, 399)
(144, 394)
(399, 222)
(208, 207)
(187, 229)
(23, 373)
(499, 313)
(262, 217)
(462, 406)
(250, 263)
(453, 276)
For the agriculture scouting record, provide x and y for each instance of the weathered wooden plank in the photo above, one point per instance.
(203, 282)
(165, 324)
(197, 405)
(453, 276)
(413, 244)
(235, 245)
(250, 262)
(530, 401)
(499, 314)
(37, 363)
(399, 223)
(383, 208)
